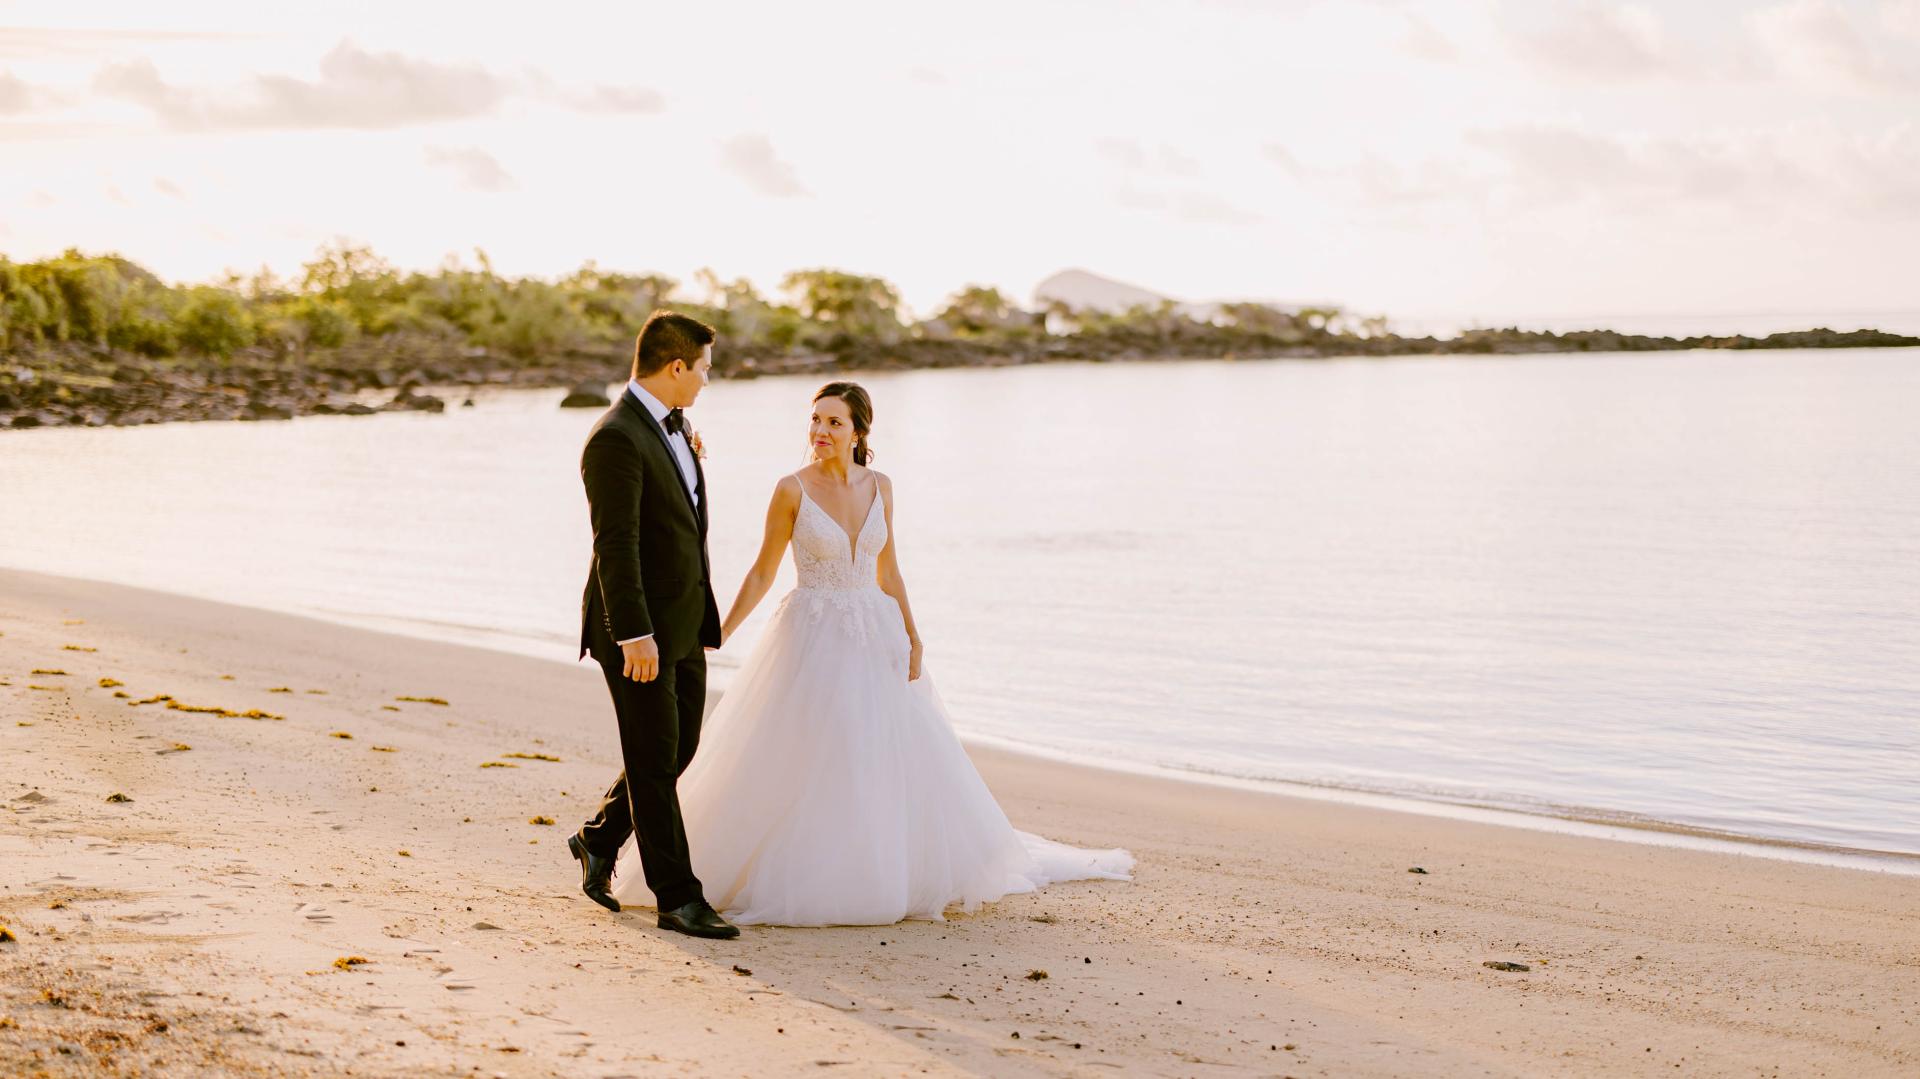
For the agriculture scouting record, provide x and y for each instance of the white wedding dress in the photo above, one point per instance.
(829, 790)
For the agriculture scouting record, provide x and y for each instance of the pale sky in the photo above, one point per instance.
(1448, 159)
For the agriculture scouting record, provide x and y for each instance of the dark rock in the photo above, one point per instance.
(1417, 869)
(409, 401)
(586, 395)
(26, 419)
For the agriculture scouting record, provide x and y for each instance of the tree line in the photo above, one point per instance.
(350, 296)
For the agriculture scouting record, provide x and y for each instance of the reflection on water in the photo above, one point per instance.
(1683, 587)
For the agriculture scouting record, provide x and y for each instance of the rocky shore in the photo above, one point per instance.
(76, 385)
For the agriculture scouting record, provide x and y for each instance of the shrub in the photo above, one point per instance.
(214, 321)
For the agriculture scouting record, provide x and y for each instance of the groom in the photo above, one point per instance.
(648, 615)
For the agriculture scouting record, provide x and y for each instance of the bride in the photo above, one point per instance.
(829, 788)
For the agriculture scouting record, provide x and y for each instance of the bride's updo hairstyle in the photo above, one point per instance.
(861, 408)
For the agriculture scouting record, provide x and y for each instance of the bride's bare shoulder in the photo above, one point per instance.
(787, 489)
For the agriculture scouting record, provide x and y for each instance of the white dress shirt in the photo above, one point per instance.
(682, 452)
(682, 456)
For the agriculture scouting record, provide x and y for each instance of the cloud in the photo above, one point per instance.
(751, 157)
(1820, 44)
(1876, 172)
(15, 94)
(476, 169)
(1208, 208)
(1423, 42)
(1558, 157)
(1380, 184)
(618, 99)
(355, 89)
(1133, 155)
(168, 187)
(1284, 158)
(1613, 41)
(1200, 207)
(1800, 172)
(1796, 172)
(1901, 18)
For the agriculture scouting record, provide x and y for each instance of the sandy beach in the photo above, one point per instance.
(310, 873)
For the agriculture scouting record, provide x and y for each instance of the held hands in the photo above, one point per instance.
(913, 659)
(642, 660)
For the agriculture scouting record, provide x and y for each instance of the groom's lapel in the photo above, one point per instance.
(646, 420)
(701, 490)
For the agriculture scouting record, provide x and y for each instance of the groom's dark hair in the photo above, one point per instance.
(667, 337)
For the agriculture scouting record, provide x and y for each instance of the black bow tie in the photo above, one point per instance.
(675, 422)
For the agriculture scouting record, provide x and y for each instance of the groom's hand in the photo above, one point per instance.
(642, 660)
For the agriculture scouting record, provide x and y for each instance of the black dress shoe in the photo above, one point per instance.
(697, 919)
(596, 874)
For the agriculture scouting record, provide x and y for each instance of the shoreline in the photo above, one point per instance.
(1618, 825)
(1571, 821)
(80, 386)
(210, 922)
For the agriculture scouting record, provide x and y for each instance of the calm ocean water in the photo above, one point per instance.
(1681, 588)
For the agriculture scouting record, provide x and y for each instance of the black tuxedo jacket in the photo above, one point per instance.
(649, 572)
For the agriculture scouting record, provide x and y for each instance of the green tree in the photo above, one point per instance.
(746, 321)
(328, 324)
(979, 310)
(213, 320)
(848, 306)
(616, 305)
(1265, 320)
(354, 276)
(531, 317)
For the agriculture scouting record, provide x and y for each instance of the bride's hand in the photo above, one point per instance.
(913, 660)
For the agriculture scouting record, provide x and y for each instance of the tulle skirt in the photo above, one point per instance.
(829, 790)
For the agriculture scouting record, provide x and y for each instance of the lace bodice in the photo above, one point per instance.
(825, 557)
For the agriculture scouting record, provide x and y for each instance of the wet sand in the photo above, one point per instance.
(206, 924)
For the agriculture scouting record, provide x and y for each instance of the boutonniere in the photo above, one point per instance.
(693, 442)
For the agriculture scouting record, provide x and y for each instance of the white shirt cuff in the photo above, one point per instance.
(630, 640)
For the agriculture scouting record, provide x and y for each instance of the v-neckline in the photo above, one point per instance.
(853, 539)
